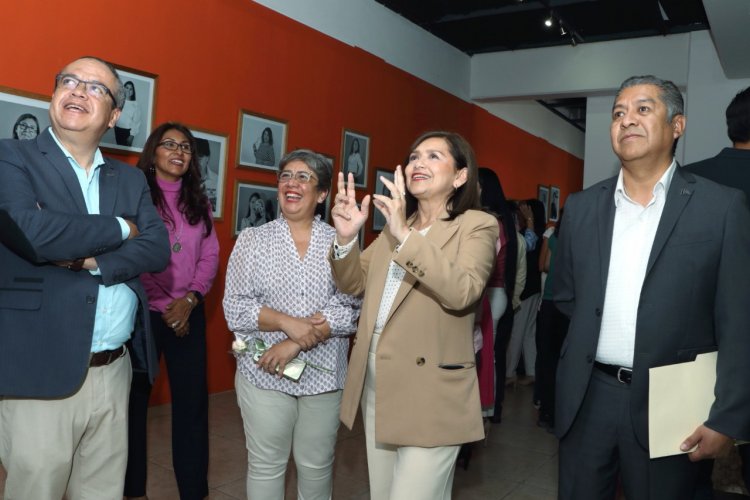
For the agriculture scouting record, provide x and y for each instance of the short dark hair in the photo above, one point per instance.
(318, 163)
(466, 196)
(738, 117)
(202, 147)
(669, 94)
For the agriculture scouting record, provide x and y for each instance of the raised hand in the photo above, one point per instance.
(347, 217)
(393, 207)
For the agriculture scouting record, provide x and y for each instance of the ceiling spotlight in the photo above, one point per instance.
(548, 22)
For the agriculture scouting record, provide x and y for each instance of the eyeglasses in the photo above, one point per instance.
(174, 146)
(303, 177)
(25, 128)
(93, 88)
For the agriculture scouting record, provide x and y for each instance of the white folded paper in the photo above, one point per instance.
(679, 399)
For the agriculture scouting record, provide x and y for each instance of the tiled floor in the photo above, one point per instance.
(519, 461)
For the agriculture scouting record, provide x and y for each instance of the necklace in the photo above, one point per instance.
(177, 246)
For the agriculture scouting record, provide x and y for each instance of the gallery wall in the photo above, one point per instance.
(215, 58)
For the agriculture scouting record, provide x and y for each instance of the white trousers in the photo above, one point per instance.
(276, 424)
(404, 472)
(75, 446)
(523, 337)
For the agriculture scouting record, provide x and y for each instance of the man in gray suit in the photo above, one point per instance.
(652, 268)
(76, 230)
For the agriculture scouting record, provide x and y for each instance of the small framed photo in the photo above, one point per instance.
(355, 150)
(262, 141)
(378, 219)
(361, 234)
(254, 205)
(324, 209)
(542, 194)
(137, 117)
(22, 115)
(554, 203)
(212, 161)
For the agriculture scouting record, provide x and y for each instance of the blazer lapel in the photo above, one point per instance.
(108, 179)
(52, 152)
(606, 221)
(680, 191)
(439, 234)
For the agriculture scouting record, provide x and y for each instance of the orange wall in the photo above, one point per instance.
(215, 57)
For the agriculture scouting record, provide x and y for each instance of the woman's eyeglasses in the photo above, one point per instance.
(303, 177)
(174, 146)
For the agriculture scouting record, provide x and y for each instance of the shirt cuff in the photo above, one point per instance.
(341, 251)
(124, 228)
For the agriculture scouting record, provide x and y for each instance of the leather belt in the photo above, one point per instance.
(104, 358)
(623, 374)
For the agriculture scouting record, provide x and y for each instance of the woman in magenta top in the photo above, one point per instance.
(177, 314)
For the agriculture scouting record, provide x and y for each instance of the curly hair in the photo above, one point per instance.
(193, 201)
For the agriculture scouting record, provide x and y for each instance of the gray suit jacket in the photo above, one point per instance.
(47, 312)
(695, 296)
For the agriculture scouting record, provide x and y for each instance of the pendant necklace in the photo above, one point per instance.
(177, 246)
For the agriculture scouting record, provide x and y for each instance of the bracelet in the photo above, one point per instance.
(190, 300)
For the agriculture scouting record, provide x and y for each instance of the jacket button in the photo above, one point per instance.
(589, 358)
(421, 273)
(598, 311)
(90, 299)
(408, 263)
(420, 361)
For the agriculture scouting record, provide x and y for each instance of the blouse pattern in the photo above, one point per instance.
(266, 270)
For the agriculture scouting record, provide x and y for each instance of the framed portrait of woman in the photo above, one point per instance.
(378, 219)
(137, 116)
(212, 161)
(355, 151)
(23, 115)
(262, 141)
(254, 205)
(554, 203)
(543, 196)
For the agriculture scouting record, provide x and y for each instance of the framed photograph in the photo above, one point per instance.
(324, 209)
(262, 141)
(378, 219)
(355, 150)
(542, 194)
(137, 117)
(212, 160)
(554, 203)
(22, 115)
(361, 235)
(254, 205)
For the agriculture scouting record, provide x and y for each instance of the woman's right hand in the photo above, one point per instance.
(347, 217)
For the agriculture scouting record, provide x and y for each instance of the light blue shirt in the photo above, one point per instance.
(117, 304)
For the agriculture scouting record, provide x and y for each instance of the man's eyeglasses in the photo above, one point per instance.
(93, 88)
(174, 146)
(303, 177)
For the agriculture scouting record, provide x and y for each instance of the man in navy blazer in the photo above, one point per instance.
(652, 268)
(76, 230)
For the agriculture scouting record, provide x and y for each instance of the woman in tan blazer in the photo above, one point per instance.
(412, 367)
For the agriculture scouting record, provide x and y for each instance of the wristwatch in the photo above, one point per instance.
(198, 296)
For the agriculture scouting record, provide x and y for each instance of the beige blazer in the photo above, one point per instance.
(419, 402)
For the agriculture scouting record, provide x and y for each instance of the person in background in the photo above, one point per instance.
(77, 231)
(279, 290)
(209, 178)
(412, 367)
(354, 162)
(26, 127)
(129, 124)
(177, 312)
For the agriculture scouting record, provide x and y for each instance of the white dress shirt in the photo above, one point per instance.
(632, 238)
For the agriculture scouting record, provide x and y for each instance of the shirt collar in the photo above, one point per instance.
(98, 157)
(660, 188)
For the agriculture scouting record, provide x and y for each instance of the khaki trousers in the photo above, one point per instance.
(75, 446)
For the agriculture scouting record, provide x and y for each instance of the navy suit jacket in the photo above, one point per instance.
(46, 311)
(731, 167)
(695, 296)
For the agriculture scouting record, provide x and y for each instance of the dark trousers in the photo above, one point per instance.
(122, 136)
(551, 329)
(185, 358)
(601, 445)
(504, 328)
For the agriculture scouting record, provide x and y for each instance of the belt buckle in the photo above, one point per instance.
(620, 372)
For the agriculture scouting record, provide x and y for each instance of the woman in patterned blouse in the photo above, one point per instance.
(279, 290)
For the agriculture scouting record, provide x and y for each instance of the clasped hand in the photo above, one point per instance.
(348, 218)
(306, 332)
